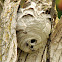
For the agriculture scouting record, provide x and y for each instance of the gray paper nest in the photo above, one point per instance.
(33, 28)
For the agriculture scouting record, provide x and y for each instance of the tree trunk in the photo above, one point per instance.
(1, 30)
(56, 43)
(8, 31)
(8, 48)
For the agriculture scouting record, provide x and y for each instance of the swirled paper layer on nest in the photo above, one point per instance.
(33, 29)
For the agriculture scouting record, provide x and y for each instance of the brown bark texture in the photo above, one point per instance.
(8, 40)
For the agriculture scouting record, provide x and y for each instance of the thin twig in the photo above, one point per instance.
(1, 3)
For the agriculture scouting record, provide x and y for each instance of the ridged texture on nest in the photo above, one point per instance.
(33, 28)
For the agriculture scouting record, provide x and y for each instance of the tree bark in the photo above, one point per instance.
(56, 43)
(9, 41)
(1, 30)
(8, 30)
